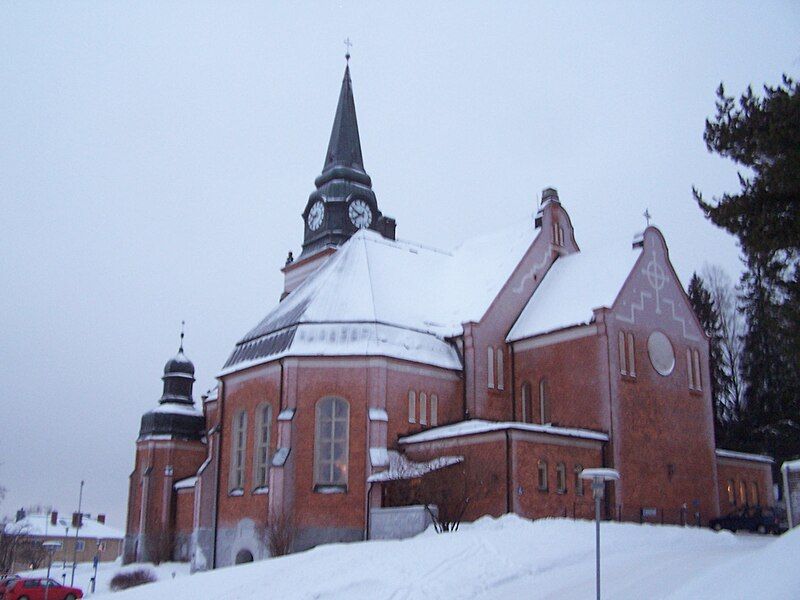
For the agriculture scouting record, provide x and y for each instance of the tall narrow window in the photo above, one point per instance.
(500, 372)
(560, 235)
(527, 409)
(423, 408)
(412, 406)
(742, 492)
(623, 356)
(434, 410)
(578, 481)
(544, 407)
(690, 368)
(331, 443)
(754, 496)
(490, 367)
(261, 455)
(731, 492)
(239, 445)
(561, 478)
(631, 356)
(543, 475)
(698, 382)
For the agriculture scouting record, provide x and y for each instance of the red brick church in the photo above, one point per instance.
(519, 356)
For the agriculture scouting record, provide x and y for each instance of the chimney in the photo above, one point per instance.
(76, 520)
(20, 514)
(54, 518)
(101, 519)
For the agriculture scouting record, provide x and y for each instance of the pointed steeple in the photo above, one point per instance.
(343, 159)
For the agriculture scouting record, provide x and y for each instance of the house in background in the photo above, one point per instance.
(82, 544)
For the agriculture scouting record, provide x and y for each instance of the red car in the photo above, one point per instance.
(38, 589)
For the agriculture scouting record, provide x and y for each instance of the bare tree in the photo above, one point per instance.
(732, 324)
(12, 541)
(279, 533)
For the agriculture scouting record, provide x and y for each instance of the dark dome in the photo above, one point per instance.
(179, 364)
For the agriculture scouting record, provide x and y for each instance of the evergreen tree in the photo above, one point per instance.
(708, 315)
(763, 135)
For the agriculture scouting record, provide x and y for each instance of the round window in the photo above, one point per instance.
(662, 357)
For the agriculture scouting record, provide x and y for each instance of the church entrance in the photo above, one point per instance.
(244, 556)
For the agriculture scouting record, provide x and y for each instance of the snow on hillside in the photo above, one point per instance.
(512, 557)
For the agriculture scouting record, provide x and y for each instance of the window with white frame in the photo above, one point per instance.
(558, 234)
(423, 408)
(500, 378)
(627, 355)
(544, 402)
(261, 454)
(238, 450)
(412, 406)
(490, 367)
(561, 478)
(731, 488)
(434, 410)
(331, 443)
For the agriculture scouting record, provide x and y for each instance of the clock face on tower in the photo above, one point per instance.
(360, 214)
(315, 215)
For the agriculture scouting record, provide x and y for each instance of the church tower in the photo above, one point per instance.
(344, 201)
(170, 447)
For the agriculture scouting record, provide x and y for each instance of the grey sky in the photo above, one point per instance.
(155, 157)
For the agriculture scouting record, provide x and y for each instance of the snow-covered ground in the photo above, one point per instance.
(105, 572)
(511, 557)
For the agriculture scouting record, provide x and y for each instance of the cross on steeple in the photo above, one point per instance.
(348, 44)
(647, 216)
(183, 324)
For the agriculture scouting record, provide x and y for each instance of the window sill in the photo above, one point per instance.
(628, 378)
(237, 492)
(695, 392)
(330, 489)
(543, 490)
(264, 489)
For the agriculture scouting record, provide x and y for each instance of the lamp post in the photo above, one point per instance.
(77, 531)
(598, 478)
(51, 546)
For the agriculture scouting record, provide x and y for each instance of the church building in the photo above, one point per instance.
(515, 360)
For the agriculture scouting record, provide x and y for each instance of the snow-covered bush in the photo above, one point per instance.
(129, 579)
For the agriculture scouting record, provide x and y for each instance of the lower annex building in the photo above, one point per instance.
(515, 360)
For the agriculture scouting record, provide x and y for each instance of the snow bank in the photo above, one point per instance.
(512, 557)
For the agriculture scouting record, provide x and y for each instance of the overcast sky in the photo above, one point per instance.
(155, 158)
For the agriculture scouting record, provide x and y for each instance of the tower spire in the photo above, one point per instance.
(183, 324)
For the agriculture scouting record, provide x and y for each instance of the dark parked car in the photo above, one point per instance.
(761, 519)
(35, 588)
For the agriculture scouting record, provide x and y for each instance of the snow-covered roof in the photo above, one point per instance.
(381, 297)
(174, 408)
(745, 456)
(39, 525)
(574, 286)
(476, 426)
(401, 467)
(791, 465)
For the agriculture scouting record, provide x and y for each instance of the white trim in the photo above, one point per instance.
(791, 465)
(287, 414)
(562, 335)
(185, 484)
(476, 426)
(763, 458)
(378, 414)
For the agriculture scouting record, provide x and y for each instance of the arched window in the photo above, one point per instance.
(754, 496)
(731, 492)
(423, 408)
(490, 367)
(578, 481)
(500, 373)
(623, 361)
(412, 406)
(561, 478)
(238, 449)
(244, 556)
(331, 443)
(542, 475)
(690, 368)
(261, 454)
(527, 409)
(544, 402)
(631, 356)
(742, 493)
(698, 382)
(434, 410)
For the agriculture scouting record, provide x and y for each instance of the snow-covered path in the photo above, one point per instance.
(514, 558)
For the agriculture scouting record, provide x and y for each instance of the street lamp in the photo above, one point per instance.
(51, 546)
(598, 477)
